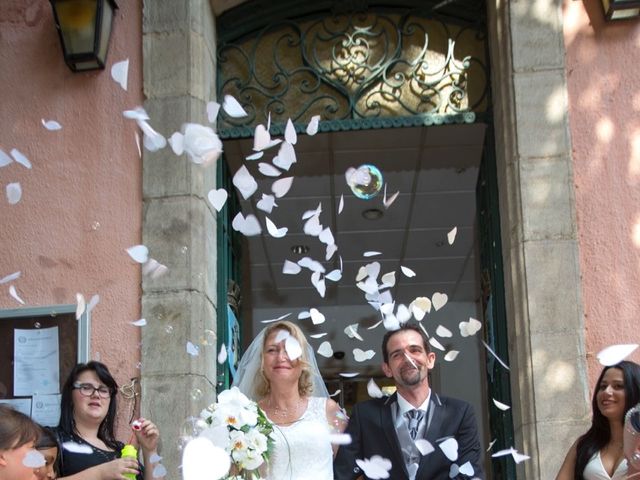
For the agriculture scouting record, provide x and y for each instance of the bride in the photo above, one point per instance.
(280, 372)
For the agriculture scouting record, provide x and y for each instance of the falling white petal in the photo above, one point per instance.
(14, 193)
(80, 305)
(373, 389)
(51, 125)
(317, 317)
(139, 323)
(352, 331)
(290, 134)
(374, 325)
(436, 344)
(248, 226)
(389, 279)
(268, 170)
(92, 303)
(244, 182)
(331, 250)
(304, 315)
(262, 139)
(311, 264)
(312, 127)
(614, 354)
(318, 335)
(222, 355)
(362, 356)
(5, 159)
(292, 347)
(451, 236)
(137, 113)
(467, 469)
(34, 459)
(213, 108)
(443, 332)
(274, 231)
(408, 272)
(11, 277)
(424, 446)
(341, 204)
(403, 314)
(267, 203)
(159, 471)
(217, 198)
(325, 350)
(334, 275)
(201, 460)
(192, 349)
(276, 319)
(469, 328)
(348, 374)
(326, 236)
(502, 406)
(120, 73)
(371, 254)
(139, 253)
(340, 439)
(375, 467)
(77, 448)
(281, 187)
(312, 213)
(312, 226)
(387, 202)
(495, 355)
(255, 156)
(176, 141)
(451, 355)
(450, 448)
(291, 268)
(14, 294)
(232, 107)
(439, 300)
(286, 156)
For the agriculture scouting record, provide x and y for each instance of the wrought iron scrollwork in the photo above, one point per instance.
(356, 66)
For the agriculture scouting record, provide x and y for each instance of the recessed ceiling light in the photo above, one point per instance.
(373, 214)
(300, 249)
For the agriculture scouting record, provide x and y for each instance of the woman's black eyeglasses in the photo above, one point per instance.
(86, 389)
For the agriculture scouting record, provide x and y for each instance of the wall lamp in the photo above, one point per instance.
(84, 27)
(621, 9)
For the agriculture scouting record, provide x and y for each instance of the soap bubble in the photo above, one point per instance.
(196, 394)
(365, 181)
(184, 249)
(95, 226)
(37, 325)
(53, 314)
(191, 428)
(208, 339)
(168, 329)
(139, 365)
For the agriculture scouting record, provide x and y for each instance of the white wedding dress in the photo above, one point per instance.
(595, 470)
(303, 449)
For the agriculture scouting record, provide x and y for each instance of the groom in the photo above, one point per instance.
(388, 427)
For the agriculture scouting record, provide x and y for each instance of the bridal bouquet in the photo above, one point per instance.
(239, 426)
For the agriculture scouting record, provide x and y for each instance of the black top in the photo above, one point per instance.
(70, 463)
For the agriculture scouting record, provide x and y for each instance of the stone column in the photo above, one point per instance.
(179, 226)
(540, 246)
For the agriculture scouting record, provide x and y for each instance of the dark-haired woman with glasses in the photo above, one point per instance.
(90, 450)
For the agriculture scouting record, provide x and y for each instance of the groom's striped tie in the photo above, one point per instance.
(414, 417)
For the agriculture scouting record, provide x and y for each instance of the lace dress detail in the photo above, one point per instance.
(595, 470)
(302, 450)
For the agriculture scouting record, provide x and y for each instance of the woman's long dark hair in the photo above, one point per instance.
(600, 433)
(107, 427)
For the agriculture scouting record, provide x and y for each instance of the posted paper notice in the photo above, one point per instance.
(36, 362)
(45, 409)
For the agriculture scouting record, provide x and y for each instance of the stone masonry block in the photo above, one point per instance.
(166, 70)
(560, 380)
(165, 173)
(547, 198)
(168, 400)
(537, 36)
(180, 232)
(173, 319)
(553, 279)
(551, 435)
(165, 15)
(541, 114)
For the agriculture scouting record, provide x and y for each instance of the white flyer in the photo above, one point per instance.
(45, 409)
(36, 360)
(22, 405)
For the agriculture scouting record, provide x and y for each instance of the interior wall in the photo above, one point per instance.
(81, 201)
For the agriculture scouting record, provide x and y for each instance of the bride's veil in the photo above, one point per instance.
(248, 371)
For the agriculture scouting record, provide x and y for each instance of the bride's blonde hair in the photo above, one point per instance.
(305, 383)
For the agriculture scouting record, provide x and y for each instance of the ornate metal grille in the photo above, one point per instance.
(356, 66)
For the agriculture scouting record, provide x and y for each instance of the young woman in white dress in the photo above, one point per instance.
(293, 396)
(598, 454)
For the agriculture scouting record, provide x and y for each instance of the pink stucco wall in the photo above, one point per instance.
(81, 203)
(603, 67)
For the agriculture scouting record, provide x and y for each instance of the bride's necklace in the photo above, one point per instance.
(289, 413)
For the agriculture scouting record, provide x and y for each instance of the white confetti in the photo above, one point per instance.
(159, 471)
(451, 355)
(213, 108)
(340, 438)
(14, 193)
(77, 448)
(120, 73)
(192, 349)
(362, 356)
(281, 187)
(443, 332)
(201, 459)
(439, 300)
(274, 231)
(92, 303)
(495, 355)
(244, 182)
(19, 157)
(14, 294)
(373, 389)
(375, 467)
(139, 323)
(371, 254)
(420, 307)
(348, 374)
(292, 347)
(5, 159)
(451, 236)
(316, 316)
(34, 459)
(218, 198)
(341, 204)
(407, 272)
(517, 457)
(286, 156)
(51, 125)
(352, 331)
(614, 354)
(312, 127)
(268, 170)
(290, 134)
(138, 253)
(222, 355)
(11, 277)
(248, 226)
(80, 305)
(502, 406)
(388, 202)
(267, 203)
(232, 107)
(469, 328)
(424, 446)
(291, 268)
(450, 448)
(436, 344)
(318, 335)
(325, 349)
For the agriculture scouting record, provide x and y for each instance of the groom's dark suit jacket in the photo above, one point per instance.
(373, 433)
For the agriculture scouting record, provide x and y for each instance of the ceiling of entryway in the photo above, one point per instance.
(435, 169)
